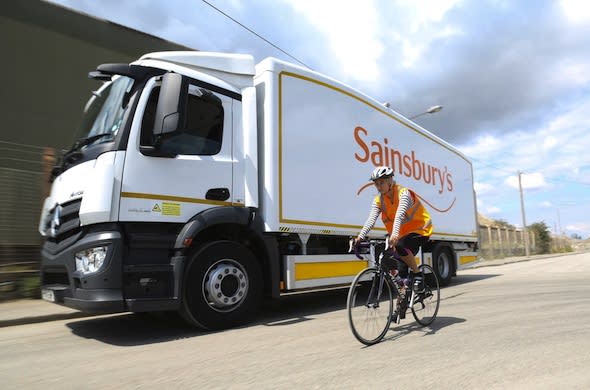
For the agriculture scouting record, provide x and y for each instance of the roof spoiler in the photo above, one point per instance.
(104, 72)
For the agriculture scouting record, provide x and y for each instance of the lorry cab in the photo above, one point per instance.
(161, 141)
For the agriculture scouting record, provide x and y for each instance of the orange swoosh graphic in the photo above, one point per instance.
(439, 210)
(424, 200)
(363, 187)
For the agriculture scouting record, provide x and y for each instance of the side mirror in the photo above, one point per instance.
(152, 151)
(171, 109)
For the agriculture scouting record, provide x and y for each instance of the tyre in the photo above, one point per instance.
(425, 305)
(443, 264)
(222, 286)
(369, 306)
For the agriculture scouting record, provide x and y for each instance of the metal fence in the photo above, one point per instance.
(498, 242)
(23, 183)
(24, 171)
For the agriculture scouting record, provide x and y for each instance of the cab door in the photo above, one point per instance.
(194, 169)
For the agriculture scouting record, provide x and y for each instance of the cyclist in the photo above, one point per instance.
(405, 218)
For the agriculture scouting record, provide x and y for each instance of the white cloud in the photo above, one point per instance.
(529, 181)
(570, 73)
(425, 12)
(546, 204)
(555, 151)
(576, 11)
(483, 145)
(485, 209)
(582, 228)
(492, 210)
(483, 188)
(549, 142)
(418, 24)
(352, 29)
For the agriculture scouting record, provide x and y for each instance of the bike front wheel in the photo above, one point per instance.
(425, 304)
(369, 306)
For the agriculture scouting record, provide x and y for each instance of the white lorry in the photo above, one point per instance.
(201, 182)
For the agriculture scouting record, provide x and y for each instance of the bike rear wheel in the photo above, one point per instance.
(369, 306)
(425, 305)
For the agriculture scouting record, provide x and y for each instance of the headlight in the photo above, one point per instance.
(90, 260)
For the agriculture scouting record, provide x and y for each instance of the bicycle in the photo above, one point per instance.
(370, 312)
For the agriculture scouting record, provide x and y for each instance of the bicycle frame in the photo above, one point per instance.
(383, 273)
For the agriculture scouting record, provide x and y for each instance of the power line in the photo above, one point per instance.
(254, 32)
(492, 166)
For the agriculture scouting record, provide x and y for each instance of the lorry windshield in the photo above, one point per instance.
(103, 114)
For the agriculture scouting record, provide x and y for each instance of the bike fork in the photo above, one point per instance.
(372, 291)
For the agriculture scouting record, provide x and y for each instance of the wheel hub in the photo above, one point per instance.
(225, 285)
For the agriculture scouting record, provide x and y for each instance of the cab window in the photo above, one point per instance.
(203, 133)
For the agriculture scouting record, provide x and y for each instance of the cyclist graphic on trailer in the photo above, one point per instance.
(407, 222)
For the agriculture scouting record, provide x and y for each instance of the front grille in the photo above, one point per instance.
(63, 221)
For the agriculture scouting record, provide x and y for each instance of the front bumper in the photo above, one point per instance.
(116, 287)
(99, 292)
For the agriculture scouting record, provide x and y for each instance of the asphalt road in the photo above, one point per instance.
(521, 325)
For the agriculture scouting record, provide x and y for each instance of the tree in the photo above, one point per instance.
(542, 236)
(503, 224)
(576, 236)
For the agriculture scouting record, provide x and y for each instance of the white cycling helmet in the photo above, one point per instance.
(380, 172)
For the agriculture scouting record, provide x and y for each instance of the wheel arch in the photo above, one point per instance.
(237, 224)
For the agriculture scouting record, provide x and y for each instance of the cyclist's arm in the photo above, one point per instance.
(405, 202)
(373, 214)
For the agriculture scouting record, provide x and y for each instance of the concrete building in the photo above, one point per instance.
(47, 52)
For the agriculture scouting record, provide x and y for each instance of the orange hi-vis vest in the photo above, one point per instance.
(416, 220)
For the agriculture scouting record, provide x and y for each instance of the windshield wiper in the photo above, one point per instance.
(74, 150)
(74, 153)
(85, 141)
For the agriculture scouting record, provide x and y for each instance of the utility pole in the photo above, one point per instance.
(526, 235)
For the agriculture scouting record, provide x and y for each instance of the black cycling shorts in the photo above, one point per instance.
(411, 242)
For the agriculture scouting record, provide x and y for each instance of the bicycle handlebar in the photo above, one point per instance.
(366, 244)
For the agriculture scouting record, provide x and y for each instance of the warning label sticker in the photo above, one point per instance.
(171, 209)
(156, 208)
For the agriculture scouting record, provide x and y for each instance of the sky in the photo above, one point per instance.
(513, 77)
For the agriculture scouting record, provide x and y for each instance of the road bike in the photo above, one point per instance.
(377, 297)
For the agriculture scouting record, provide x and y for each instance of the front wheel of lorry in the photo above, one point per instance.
(443, 264)
(222, 286)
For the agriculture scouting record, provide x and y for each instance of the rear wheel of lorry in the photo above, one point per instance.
(443, 264)
(222, 286)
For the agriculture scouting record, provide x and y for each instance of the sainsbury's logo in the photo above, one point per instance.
(380, 153)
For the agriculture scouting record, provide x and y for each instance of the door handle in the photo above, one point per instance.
(217, 194)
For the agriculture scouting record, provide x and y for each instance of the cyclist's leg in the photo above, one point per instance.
(407, 247)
